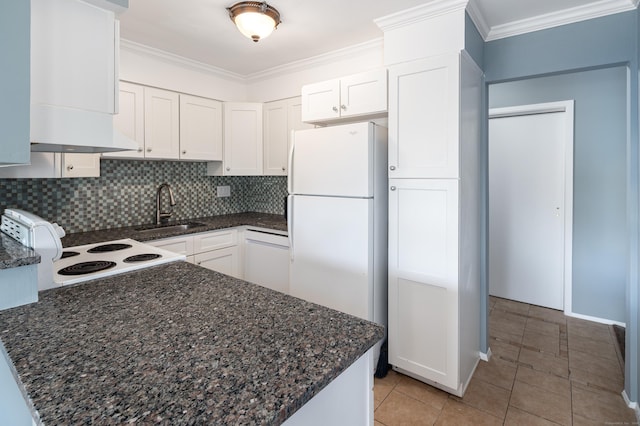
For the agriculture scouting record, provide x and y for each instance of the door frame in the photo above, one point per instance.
(566, 107)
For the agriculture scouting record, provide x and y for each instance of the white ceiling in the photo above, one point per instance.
(201, 30)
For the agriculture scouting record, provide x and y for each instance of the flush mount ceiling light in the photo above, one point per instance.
(256, 20)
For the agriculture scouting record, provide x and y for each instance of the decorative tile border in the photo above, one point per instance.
(125, 194)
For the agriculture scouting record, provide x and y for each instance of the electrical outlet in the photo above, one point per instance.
(223, 191)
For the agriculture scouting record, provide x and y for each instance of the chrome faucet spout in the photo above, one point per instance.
(160, 215)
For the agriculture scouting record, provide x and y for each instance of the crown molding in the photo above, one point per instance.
(419, 13)
(568, 16)
(314, 61)
(478, 19)
(172, 58)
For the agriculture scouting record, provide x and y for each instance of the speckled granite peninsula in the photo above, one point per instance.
(177, 344)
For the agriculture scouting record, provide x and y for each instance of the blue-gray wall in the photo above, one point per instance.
(14, 81)
(596, 43)
(599, 202)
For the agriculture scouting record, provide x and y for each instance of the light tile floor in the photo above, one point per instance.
(546, 369)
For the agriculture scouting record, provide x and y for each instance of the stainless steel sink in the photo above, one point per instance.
(163, 228)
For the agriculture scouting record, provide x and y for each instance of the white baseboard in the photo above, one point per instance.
(633, 405)
(486, 356)
(595, 319)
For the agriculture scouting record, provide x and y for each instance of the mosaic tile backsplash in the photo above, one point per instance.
(125, 194)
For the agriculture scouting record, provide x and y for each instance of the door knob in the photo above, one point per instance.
(393, 188)
(392, 167)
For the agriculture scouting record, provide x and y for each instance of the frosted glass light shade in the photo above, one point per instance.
(256, 20)
(254, 25)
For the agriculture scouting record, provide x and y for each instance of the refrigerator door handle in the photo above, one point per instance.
(290, 165)
(290, 225)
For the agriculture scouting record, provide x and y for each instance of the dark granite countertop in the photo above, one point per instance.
(177, 344)
(14, 254)
(259, 220)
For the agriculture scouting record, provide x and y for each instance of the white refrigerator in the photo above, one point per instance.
(337, 218)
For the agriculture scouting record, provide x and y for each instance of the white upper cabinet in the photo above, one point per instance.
(242, 141)
(356, 96)
(168, 125)
(161, 124)
(55, 165)
(130, 119)
(424, 118)
(280, 119)
(200, 129)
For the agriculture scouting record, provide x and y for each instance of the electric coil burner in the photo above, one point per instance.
(92, 261)
(83, 268)
(141, 257)
(105, 248)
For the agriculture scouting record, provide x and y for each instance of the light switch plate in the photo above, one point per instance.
(223, 191)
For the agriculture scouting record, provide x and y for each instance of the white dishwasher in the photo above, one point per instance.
(266, 259)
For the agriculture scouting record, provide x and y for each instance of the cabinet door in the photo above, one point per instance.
(242, 139)
(80, 165)
(42, 165)
(223, 260)
(130, 119)
(364, 93)
(181, 245)
(73, 44)
(55, 165)
(424, 118)
(215, 240)
(321, 101)
(423, 293)
(294, 119)
(161, 124)
(200, 129)
(276, 137)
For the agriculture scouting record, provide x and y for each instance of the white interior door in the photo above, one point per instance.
(530, 158)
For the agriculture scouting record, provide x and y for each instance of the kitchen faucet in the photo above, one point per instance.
(163, 217)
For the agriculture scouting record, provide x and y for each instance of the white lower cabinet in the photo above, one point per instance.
(266, 260)
(181, 245)
(222, 260)
(216, 250)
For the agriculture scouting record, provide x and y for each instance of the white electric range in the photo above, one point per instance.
(91, 261)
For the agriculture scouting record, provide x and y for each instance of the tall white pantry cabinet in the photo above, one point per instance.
(434, 219)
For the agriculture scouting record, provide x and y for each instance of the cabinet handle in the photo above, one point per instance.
(149, 149)
(228, 169)
(70, 167)
(283, 169)
(139, 149)
(392, 167)
(199, 263)
(393, 188)
(343, 107)
(335, 109)
(184, 152)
